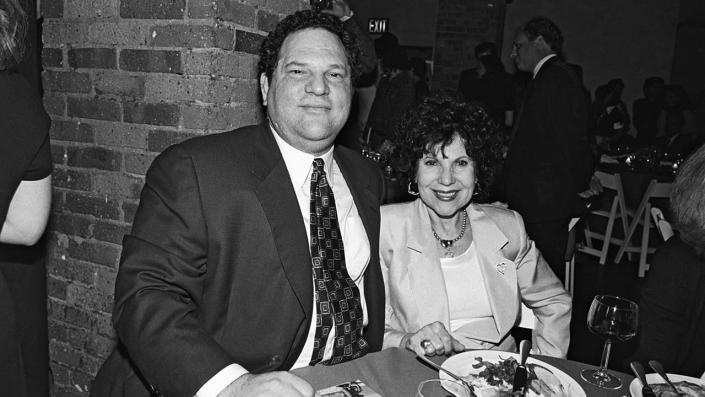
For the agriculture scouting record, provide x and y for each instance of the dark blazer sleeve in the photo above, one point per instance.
(161, 272)
(667, 303)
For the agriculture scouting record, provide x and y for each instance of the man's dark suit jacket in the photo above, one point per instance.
(549, 159)
(672, 310)
(217, 269)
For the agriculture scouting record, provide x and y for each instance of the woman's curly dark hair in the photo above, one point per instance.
(435, 122)
(301, 20)
(13, 30)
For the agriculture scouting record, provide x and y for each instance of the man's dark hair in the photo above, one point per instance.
(544, 27)
(654, 81)
(486, 48)
(302, 20)
(13, 30)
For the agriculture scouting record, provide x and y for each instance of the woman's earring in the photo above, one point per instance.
(413, 188)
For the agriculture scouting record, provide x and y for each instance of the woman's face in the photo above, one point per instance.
(446, 183)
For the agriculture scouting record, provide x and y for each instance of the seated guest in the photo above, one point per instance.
(610, 116)
(645, 110)
(675, 144)
(257, 273)
(672, 306)
(676, 101)
(456, 271)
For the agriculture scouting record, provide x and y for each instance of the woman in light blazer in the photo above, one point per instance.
(456, 272)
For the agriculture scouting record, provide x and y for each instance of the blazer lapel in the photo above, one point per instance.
(278, 199)
(499, 272)
(427, 282)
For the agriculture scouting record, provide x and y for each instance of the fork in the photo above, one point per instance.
(656, 366)
(450, 373)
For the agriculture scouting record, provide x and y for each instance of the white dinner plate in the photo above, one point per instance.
(461, 364)
(635, 386)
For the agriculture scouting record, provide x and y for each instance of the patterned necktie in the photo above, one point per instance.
(336, 295)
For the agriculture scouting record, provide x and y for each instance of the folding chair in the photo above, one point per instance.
(618, 210)
(664, 227)
(643, 215)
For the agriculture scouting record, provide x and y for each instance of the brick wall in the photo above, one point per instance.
(123, 80)
(460, 26)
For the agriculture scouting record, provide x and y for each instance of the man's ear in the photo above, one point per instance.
(541, 44)
(264, 87)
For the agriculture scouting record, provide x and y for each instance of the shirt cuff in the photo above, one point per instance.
(344, 18)
(221, 380)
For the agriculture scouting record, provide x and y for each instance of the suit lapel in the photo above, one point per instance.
(367, 204)
(278, 200)
(499, 272)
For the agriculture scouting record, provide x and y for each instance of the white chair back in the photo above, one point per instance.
(664, 227)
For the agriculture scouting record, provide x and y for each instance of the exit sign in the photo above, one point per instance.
(378, 25)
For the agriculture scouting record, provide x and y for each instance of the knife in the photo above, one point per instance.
(638, 370)
(521, 374)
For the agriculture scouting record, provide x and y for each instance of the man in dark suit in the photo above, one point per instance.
(548, 161)
(215, 292)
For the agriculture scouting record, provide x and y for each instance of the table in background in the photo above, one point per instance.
(397, 373)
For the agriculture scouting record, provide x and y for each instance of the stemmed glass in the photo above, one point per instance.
(614, 319)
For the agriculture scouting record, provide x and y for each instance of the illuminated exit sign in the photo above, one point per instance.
(378, 25)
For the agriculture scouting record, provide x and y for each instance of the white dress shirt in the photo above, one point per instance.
(357, 248)
(541, 62)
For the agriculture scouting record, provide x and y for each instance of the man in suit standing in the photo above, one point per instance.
(548, 162)
(235, 270)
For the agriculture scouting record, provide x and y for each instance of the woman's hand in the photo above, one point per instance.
(436, 341)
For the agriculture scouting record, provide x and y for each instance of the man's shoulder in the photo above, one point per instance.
(213, 148)
(224, 140)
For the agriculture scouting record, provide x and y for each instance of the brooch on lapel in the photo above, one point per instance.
(501, 267)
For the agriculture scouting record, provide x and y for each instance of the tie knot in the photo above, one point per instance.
(318, 165)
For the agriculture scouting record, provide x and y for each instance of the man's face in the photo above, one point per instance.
(308, 98)
(525, 53)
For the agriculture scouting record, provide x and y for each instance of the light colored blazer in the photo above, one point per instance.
(512, 267)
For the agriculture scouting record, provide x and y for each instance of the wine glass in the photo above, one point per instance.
(614, 319)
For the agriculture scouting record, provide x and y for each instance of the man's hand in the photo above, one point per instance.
(340, 9)
(436, 341)
(269, 384)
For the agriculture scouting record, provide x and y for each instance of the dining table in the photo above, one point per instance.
(396, 372)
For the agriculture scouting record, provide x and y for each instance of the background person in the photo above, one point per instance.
(672, 305)
(549, 160)
(25, 200)
(456, 271)
(232, 296)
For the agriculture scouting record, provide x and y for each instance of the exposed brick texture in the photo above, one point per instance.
(123, 80)
(171, 9)
(247, 42)
(165, 61)
(101, 58)
(52, 57)
(460, 26)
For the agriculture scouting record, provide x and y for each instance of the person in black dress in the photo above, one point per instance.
(25, 195)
